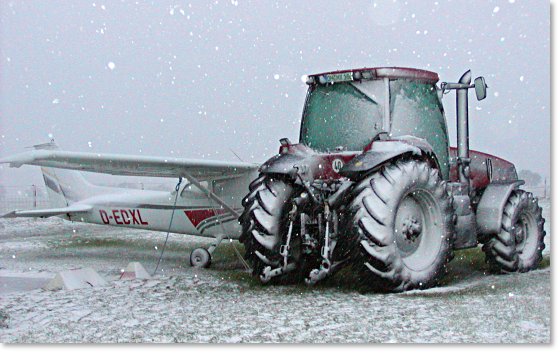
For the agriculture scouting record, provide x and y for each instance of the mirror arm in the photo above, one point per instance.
(447, 86)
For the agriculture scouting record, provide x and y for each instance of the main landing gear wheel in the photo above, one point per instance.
(201, 258)
(519, 245)
(399, 227)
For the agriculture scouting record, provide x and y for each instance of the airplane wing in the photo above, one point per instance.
(48, 212)
(120, 164)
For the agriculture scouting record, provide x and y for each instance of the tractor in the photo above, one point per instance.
(374, 184)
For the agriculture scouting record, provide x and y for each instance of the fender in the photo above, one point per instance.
(283, 164)
(382, 151)
(491, 206)
(298, 159)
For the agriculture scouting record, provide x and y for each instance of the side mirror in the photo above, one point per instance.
(480, 88)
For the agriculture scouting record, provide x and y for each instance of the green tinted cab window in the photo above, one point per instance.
(340, 115)
(416, 110)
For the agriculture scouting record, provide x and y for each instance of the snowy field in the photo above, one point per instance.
(224, 304)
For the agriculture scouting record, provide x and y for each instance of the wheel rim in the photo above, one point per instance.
(199, 258)
(418, 231)
(525, 233)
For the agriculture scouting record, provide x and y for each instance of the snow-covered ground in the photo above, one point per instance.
(223, 304)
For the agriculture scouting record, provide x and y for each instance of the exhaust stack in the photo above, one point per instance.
(462, 88)
(463, 127)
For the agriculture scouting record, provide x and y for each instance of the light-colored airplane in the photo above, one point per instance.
(206, 201)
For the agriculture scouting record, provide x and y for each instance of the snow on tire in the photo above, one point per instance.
(264, 208)
(519, 245)
(399, 227)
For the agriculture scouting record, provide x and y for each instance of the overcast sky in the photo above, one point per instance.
(201, 78)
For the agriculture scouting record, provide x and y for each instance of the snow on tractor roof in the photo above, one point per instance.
(374, 73)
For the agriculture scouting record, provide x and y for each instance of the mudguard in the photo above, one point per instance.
(283, 164)
(491, 206)
(383, 151)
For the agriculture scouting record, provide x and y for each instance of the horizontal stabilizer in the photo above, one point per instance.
(120, 164)
(49, 212)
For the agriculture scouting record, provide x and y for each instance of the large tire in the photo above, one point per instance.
(519, 245)
(399, 227)
(264, 223)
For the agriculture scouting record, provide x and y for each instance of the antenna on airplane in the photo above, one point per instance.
(236, 155)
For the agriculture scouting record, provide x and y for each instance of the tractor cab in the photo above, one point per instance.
(347, 110)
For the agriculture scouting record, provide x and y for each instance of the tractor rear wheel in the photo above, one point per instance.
(519, 245)
(265, 225)
(399, 227)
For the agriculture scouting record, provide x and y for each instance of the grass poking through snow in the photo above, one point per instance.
(226, 263)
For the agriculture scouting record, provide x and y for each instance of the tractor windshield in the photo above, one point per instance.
(342, 115)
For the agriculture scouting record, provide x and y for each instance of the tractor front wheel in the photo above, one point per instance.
(519, 245)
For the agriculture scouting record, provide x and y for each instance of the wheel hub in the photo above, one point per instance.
(411, 228)
(200, 258)
(520, 234)
(417, 228)
(527, 236)
(408, 225)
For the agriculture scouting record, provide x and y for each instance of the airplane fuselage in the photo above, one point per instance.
(195, 213)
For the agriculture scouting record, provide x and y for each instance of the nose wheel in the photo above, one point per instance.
(200, 258)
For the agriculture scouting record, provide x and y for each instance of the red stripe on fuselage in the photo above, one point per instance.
(197, 216)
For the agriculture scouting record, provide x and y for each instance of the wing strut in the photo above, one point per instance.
(210, 194)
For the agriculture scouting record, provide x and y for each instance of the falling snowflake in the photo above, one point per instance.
(111, 65)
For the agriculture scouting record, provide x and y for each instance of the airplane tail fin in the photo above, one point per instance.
(64, 187)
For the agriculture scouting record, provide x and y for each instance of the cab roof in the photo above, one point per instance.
(374, 73)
